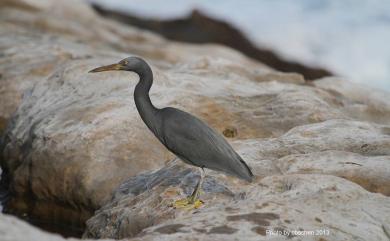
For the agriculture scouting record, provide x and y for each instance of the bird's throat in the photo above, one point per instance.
(145, 107)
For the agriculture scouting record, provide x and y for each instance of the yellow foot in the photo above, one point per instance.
(186, 203)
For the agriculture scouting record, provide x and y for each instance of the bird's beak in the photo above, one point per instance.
(107, 68)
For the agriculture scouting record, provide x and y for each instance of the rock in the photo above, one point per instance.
(355, 150)
(13, 229)
(277, 203)
(338, 134)
(35, 33)
(295, 176)
(370, 172)
(359, 101)
(74, 137)
(63, 147)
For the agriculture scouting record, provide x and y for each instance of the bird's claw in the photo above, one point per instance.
(188, 203)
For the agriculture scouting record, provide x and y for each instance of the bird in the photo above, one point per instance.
(183, 134)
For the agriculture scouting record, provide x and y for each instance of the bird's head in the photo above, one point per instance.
(127, 64)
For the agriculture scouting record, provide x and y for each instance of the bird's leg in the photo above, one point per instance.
(195, 194)
(192, 201)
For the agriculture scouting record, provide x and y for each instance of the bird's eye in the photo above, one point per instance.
(124, 62)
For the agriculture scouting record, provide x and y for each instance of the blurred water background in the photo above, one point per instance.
(349, 37)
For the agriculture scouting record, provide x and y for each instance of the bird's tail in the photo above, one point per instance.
(240, 169)
(236, 167)
(246, 173)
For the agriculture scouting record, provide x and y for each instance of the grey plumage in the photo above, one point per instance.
(186, 136)
(197, 144)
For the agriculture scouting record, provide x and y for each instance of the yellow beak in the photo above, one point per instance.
(107, 68)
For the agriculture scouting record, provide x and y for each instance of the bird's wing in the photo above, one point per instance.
(195, 142)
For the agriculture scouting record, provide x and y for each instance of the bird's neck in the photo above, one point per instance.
(144, 106)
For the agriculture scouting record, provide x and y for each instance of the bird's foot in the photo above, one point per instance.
(188, 203)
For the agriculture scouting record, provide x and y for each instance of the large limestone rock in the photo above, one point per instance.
(307, 180)
(286, 207)
(75, 138)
